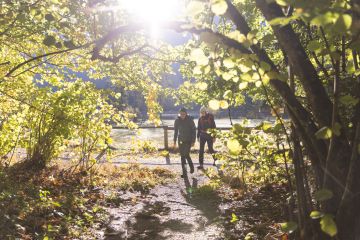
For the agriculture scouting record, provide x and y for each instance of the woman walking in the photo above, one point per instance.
(206, 122)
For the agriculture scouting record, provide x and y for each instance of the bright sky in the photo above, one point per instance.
(154, 12)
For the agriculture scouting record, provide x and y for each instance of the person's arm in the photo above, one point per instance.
(213, 125)
(198, 129)
(176, 131)
(193, 132)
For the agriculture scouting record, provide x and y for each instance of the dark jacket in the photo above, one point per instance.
(205, 122)
(185, 129)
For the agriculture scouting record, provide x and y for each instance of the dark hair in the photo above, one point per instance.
(183, 110)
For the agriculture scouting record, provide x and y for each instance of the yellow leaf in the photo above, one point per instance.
(258, 83)
(234, 146)
(214, 104)
(197, 70)
(228, 63)
(199, 57)
(202, 86)
(243, 85)
(219, 7)
(194, 8)
(227, 76)
(224, 104)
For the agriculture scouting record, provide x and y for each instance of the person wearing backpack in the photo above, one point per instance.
(206, 122)
(185, 135)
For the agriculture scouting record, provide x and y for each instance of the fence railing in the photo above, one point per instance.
(166, 131)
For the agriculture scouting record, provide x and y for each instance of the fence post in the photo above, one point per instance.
(166, 140)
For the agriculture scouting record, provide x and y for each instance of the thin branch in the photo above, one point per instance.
(122, 55)
(32, 67)
(320, 65)
(44, 55)
(5, 63)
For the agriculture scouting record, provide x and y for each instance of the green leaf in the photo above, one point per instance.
(323, 195)
(58, 44)
(325, 19)
(56, 204)
(117, 95)
(314, 46)
(328, 225)
(234, 218)
(280, 21)
(265, 66)
(337, 129)
(288, 227)
(49, 17)
(69, 44)
(219, 7)
(316, 214)
(266, 126)
(324, 133)
(21, 17)
(348, 100)
(250, 236)
(343, 23)
(228, 94)
(283, 3)
(49, 40)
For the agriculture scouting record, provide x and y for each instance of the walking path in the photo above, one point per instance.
(183, 209)
(167, 212)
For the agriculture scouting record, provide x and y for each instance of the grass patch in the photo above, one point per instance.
(133, 177)
(56, 204)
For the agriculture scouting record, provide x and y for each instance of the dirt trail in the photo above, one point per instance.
(172, 211)
(168, 212)
(187, 209)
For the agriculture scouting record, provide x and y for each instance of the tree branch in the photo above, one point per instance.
(318, 98)
(41, 56)
(117, 58)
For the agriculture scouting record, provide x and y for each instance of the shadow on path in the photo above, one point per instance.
(147, 224)
(178, 211)
(203, 198)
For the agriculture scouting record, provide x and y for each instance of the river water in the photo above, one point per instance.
(124, 138)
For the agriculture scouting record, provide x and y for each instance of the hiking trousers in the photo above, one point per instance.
(184, 148)
(206, 138)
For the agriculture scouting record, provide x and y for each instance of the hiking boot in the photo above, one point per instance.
(191, 169)
(201, 167)
(183, 175)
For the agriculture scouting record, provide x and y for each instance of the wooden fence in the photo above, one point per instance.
(166, 131)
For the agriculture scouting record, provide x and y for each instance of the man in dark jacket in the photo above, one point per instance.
(206, 122)
(185, 134)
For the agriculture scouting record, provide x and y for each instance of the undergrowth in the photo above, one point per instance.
(56, 204)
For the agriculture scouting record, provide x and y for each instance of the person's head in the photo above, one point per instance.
(182, 113)
(203, 111)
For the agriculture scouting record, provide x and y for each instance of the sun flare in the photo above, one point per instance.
(157, 11)
(153, 12)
